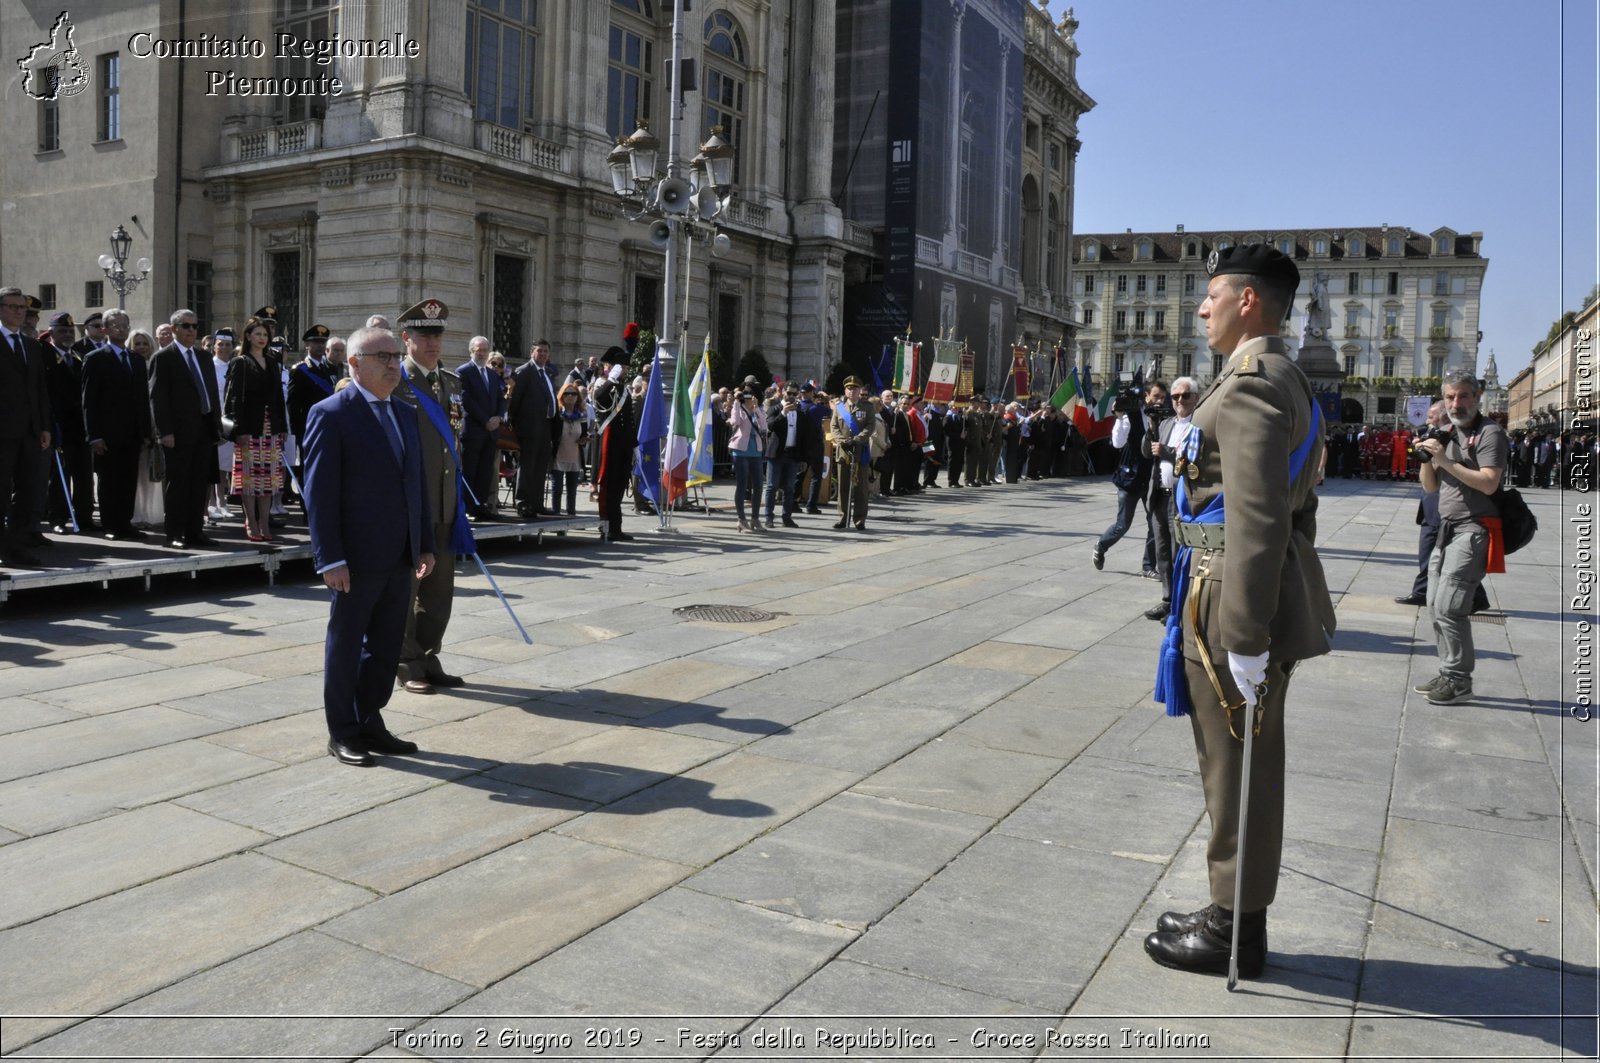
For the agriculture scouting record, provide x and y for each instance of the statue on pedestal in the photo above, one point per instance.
(1318, 318)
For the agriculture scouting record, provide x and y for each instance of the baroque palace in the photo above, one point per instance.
(1402, 306)
(339, 157)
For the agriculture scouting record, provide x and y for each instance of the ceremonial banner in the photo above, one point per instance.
(1068, 397)
(946, 368)
(1417, 409)
(906, 355)
(1020, 373)
(964, 375)
(653, 428)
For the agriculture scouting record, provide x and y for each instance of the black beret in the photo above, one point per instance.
(1260, 260)
(614, 354)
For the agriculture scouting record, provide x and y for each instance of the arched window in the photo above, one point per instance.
(726, 77)
(1286, 245)
(1355, 246)
(630, 66)
(1091, 251)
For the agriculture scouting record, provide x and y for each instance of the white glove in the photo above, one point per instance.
(1247, 673)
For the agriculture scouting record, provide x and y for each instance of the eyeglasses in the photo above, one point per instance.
(1182, 396)
(13, 306)
(187, 324)
(386, 357)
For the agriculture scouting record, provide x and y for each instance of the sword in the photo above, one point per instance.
(66, 491)
(1250, 728)
(526, 638)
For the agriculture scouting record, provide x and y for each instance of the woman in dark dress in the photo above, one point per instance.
(255, 411)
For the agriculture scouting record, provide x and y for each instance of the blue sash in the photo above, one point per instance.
(864, 456)
(462, 540)
(1172, 682)
(319, 380)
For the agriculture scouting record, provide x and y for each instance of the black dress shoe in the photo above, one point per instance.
(345, 753)
(177, 544)
(198, 541)
(838, 525)
(788, 522)
(417, 686)
(445, 680)
(814, 511)
(1157, 612)
(1205, 948)
(621, 537)
(128, 535)
(1181, 922)
(1099, 559)
(1411, 599)
(61, 529)
(387, 745)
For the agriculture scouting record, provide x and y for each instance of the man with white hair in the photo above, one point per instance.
(483, 394)
(1165, 443)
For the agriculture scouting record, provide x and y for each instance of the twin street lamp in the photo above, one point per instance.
(115, 266)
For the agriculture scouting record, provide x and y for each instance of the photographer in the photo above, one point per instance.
(788, 443)
(1428, 519)
(1165, 441)
(1132, 475)
(1465, 473)
(747, 446)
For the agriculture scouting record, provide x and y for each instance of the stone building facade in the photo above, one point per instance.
(1402, 306)
(1556, 392)
(457, 149)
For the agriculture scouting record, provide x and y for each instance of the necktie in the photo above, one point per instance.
(433, 381)
(392, 430)
(199, 381)
(16, 345)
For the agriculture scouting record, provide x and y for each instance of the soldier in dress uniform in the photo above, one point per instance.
(851, 432)
(1250, 600)
(435, 393)
(977, 436)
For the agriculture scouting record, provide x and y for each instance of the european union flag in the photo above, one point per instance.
(653, 429)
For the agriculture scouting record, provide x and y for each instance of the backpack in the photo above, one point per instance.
(1517, 522)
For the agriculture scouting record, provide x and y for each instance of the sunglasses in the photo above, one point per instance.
(1182, 396)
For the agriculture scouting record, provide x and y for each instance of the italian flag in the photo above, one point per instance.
(680, 431)
(906, 355)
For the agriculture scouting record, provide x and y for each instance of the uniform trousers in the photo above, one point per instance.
(1221, 772)
(958, 460)
(365, 628)
(852, 491)
(429, 614)
(977, 463)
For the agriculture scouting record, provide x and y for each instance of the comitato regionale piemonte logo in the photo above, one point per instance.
(54, 68)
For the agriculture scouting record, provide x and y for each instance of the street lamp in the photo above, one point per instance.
(115, 269)
(676, 205)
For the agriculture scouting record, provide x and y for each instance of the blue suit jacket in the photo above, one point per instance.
(481, 401)
(364, 508)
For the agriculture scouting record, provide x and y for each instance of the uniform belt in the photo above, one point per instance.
(1198, 535)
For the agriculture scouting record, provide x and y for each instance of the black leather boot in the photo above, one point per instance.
(1180, 923)
(1205, 948)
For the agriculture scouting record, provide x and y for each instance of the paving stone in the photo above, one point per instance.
(962, 776)
(397, 844)
(1484, 995)
(483, 920)
(301, 796)
(21, 714)
(113, 950)
(711, 809)
(576, 667)
(68, 867)
(90, 669)
(88, 791)
(951, 686)
(611, 764)
(831, 680)
(651, 961)
(848, 861)
(505, 736)
(1034, 949)
(859, 736)
(1012, 657)
(1057, 731)
(95, 738)
(1478, 792)
(1342, 812)
(303, 975)
(1134, 811)
(262, 699)
(1480, 891)
(233, 646)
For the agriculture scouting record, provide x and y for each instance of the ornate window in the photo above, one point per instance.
(726, 74)
(110, 124)
(630, 66)
(1088, 284)
(1286, 245)
(1091, 252)
(1088, 315)
(502, 57)
(1355, 246)
(308, 20)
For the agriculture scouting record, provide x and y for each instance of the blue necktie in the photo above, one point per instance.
(392, 430)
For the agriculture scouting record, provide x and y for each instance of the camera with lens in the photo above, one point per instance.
(1441, 433)
(1127, 402)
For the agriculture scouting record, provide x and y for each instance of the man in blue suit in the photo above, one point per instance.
(371, 534)
(483, 393)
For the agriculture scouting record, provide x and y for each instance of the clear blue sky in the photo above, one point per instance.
(1263, 114)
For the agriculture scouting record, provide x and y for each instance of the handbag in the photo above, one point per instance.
(1517, 522)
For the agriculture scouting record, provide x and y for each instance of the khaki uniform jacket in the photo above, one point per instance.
(866, 419)
(1266, 588)
(438, 471)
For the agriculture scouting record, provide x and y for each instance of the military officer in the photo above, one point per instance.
(851, 432)
(310, 381)
(435, 393)
(1252, 600)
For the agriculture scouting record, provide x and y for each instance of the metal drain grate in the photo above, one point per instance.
(1489, 618)
(724, 614)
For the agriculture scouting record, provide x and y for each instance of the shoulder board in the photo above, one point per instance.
(1249, 363)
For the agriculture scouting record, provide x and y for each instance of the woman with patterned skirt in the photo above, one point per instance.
(254, 408)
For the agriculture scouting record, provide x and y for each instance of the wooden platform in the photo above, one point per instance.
(86, 559)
